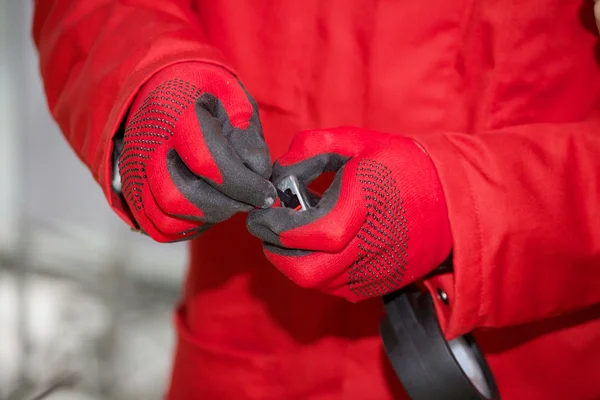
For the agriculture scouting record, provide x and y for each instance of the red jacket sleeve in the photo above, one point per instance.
(524, 205)
(95, 55)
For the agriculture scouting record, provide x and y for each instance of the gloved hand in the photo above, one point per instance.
(193, 152)
(382, 224)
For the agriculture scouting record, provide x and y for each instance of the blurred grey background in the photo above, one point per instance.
(85, 304)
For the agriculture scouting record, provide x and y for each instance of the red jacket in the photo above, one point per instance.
(504, 96)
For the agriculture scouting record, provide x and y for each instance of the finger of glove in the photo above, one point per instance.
(238, 113)
(328, 227)
(188, 196)
(159, 226)
(310, 269)
(328, 149)
(210, 156)
(137, 193)
(249, 143)
(337, 274)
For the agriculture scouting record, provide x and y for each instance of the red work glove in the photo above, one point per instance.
(193, 152)
(382, 224)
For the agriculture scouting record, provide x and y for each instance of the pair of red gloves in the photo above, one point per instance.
(194, 155)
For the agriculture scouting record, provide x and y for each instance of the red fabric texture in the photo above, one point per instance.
(502, 95)
(388, 226)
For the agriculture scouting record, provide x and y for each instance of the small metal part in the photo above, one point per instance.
(294, 194)
(442, 296)
(286, 199)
